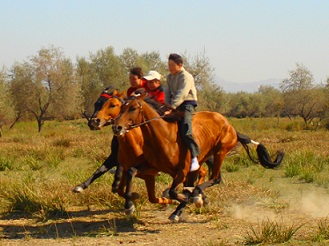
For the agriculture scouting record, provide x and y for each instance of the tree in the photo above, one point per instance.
(146, 61)
(108, 69)
(152, 61)
(273, 101)
(299, 95)
(130, 58)
(45, 86)
(238, 104)
(7, 110)
(89, 84)
(97, 72)
(210, 94)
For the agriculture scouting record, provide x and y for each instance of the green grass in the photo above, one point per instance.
(270, 232)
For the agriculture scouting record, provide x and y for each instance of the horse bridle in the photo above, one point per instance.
(108, 96)
(143, 122)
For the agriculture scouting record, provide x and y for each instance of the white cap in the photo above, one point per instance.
(152, 75)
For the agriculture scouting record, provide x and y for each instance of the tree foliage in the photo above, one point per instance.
(210, 94)
(7, 110)
(49, 86)
(45, 86)
(299, 94)
(272, 99)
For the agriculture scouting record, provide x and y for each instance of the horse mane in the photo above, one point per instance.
(160, 108)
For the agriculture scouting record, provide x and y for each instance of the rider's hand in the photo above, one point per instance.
(167, 112)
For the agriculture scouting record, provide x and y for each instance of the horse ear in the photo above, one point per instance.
(121, 95)
(108, 90)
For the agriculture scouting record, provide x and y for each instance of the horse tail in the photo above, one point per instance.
(262, 153)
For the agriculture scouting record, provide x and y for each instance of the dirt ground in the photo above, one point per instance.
(297, 205)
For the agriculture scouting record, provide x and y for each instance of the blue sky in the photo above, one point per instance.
(246, 41)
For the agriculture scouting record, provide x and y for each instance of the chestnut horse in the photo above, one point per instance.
(111, 102)
(163, 147)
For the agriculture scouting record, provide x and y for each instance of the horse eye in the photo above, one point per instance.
(132, 109)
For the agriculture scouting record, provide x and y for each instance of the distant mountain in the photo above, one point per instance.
(229, 86)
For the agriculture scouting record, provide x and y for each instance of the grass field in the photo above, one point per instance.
(253, 205)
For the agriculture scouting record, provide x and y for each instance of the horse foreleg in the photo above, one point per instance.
(178, 212)
(129, 205)
(190, 181)
(173, 194)
(109, 163)
(122, 184)
(117, 178)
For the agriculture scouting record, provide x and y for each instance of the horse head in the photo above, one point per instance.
(130, 115)
(107, 107)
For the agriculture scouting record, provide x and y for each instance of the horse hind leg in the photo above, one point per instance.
(148, 175)
(188, 192)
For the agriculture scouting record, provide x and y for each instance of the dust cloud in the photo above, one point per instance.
(251, 212)
(315, 205)
(312, 204)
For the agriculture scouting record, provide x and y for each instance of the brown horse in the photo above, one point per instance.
(130, 157)
(164, 149)
(112, 160)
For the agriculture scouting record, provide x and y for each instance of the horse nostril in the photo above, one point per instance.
(95, 121)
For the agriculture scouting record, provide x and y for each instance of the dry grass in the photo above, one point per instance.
(38, 172)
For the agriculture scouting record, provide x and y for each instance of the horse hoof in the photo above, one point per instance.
(197, 200)
(174, 218)
(77, 189)
(130, 211)
(205, 201)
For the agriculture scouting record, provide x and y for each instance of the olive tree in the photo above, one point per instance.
(98, 71)
(45, 86)
(300, 98)
(273, 101)
(7, 110)
(210, 94)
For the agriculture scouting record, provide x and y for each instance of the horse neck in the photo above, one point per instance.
(133, 141)
(156, 127)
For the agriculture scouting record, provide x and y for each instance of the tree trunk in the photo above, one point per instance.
(40, 123)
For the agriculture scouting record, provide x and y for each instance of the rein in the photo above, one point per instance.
(146, 122)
